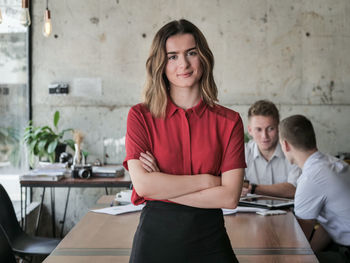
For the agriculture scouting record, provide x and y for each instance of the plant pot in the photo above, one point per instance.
(60, 148)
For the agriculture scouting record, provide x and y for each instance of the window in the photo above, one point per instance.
(14, 107)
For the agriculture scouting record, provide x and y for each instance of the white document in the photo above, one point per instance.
(243, 209)
(272, 212)
(121, 209)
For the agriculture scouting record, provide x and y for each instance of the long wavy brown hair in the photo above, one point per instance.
(157, 85)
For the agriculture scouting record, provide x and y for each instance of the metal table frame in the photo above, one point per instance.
(123, 181)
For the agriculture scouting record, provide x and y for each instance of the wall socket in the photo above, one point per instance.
(58, 88)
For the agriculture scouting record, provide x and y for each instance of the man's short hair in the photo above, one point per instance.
(299, 132)
(264, 108)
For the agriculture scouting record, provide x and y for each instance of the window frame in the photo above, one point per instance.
(13, 186)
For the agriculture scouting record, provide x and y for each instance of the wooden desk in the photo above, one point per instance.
(123, 181)
(254, 238)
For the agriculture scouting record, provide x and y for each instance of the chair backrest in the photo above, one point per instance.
(6, 253)
(8, 219)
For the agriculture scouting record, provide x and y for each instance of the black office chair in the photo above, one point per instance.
(21, 243)
(6, 254)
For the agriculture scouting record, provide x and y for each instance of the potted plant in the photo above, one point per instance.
(45, 142)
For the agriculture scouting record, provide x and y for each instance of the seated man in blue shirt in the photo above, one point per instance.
(323, 191)
(268, 171)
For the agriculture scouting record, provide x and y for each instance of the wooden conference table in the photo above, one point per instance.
(254, 238)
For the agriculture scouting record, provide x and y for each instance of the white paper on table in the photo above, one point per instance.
(244, 209)
(121, 209)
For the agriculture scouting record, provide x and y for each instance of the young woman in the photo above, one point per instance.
(184, 152)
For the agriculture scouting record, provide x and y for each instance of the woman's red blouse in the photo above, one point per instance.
(199, 140)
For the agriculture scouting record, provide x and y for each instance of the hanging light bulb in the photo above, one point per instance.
(47, 23)
(24, 18)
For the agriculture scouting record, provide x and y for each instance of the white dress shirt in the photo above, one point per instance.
(276, 170)
(323, 193)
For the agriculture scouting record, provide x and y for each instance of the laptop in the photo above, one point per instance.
(265, 201)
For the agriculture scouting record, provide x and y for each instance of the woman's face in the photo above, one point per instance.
(183, 68)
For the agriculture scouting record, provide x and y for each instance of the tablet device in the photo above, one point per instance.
(265, 201)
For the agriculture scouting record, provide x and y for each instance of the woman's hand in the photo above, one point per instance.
(149, 162)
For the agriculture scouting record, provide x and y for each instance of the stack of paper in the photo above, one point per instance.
(47, 172)
(121, 209)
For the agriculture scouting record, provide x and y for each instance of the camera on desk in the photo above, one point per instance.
(83, 171)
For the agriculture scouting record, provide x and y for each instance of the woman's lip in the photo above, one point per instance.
(185, 75)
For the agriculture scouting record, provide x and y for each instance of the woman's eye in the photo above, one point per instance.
(192, 53)
(171, 57)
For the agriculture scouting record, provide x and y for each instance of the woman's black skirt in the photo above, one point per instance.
(170, 232)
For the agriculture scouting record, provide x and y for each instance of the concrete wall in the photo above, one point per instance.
(295, 53)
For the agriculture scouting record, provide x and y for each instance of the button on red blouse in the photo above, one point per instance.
(199, 140)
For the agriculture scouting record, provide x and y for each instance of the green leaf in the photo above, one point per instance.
(31, 160)
(32, 145)
(70, 143)
(41, 153)
(37, 131)
(47, 129)
(85, 153)
(63, 132)
(27, 136)
(52, 146)
(41, 145)
(56, 118)
(34, 148)
(28, 129)
(52, 157)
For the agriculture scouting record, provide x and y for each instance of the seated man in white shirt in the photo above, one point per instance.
(268, 171)
(323, 191)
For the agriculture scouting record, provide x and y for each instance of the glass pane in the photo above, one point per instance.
(13, 88)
